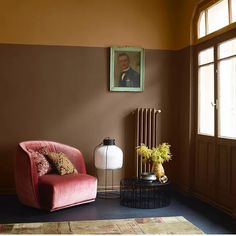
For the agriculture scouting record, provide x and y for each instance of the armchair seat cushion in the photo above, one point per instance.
(58, 191)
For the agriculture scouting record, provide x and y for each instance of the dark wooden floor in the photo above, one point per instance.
(208, 219)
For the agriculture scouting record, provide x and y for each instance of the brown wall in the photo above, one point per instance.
(181, 126)
(61, 94)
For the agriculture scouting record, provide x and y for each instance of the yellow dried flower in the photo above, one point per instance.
(144, 151)
(158, 154)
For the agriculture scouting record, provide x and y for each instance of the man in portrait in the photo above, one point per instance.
(128, 76)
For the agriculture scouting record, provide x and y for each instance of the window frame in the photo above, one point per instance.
(218, 61)
(203, 6)
(199, 66)
(215, 42)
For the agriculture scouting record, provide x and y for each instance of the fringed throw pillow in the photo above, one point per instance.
(61, 162)
(41, 163)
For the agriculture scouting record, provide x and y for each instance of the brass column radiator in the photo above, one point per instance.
(145, 132)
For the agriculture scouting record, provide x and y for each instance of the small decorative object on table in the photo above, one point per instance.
(149, 177)
(156, 157)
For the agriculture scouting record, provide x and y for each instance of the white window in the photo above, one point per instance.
(217, 75)
(202, 25)
(227, 89)
(206, 116)
(216, 17)
(233, 10)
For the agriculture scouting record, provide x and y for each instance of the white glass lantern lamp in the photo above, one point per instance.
(108, 156)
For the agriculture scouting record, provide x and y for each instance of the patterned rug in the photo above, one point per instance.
(156, 225)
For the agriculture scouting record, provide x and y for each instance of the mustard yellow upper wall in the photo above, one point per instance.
(102, 23)
(184, 16)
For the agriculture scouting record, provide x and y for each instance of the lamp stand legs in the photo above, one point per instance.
(108, 191)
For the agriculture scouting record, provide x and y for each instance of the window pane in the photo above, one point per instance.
(233, 8)
(201, 25)
(205, 100)
(227, 48)
(206, 56)
(227, 98)
(218, 16)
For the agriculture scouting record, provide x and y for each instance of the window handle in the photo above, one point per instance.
(215, 104)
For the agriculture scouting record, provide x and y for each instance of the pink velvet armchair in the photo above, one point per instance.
(52, 191)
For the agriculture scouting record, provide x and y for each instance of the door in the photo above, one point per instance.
(215, 167)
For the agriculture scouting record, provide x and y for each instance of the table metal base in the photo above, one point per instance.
(137, 193)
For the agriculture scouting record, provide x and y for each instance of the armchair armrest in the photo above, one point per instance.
(26, 178)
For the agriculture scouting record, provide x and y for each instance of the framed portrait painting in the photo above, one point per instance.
(127, 69)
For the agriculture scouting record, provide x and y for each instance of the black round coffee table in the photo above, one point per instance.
(137, 193)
